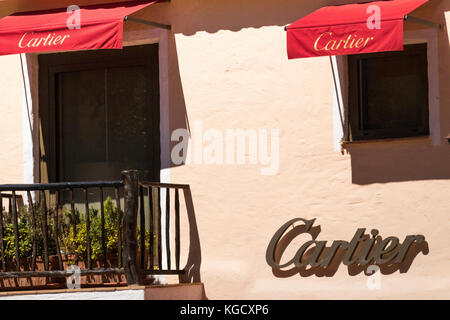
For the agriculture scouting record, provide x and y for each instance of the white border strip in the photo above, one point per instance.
(430, 36)
(27, 116)
(338, 115)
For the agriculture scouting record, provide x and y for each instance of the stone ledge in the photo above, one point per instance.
(183, 291)
(59, 291)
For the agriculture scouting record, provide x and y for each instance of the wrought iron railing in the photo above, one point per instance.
(155, 216)
(130, 241)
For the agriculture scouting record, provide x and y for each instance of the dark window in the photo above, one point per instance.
(388, 94)
(100, 114)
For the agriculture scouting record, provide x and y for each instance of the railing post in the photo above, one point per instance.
(131, 195)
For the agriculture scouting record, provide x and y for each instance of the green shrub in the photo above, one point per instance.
(25, 243)
(76, 243)
(71, 242)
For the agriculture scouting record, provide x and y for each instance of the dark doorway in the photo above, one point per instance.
(99, 113)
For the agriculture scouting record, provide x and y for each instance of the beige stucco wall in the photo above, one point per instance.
(227, 67)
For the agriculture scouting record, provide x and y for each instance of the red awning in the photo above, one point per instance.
(350, 29)
(101, 27)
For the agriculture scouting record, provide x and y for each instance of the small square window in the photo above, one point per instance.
(388, 94)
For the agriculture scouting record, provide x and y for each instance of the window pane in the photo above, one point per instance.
(83, 125)
(394, 92)
(106, 123)
(388, 94)
(130, 140)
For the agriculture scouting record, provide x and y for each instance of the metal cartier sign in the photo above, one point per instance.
(363, 250)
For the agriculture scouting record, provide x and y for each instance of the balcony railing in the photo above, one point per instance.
(86, 224)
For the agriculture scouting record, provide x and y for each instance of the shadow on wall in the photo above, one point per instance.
(190, 17)
(371, 163)
(215, 15)
(194, 260)
(233, 15)
(380, 162)
(178, 112)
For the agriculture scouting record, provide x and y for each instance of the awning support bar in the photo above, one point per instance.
(149, 23)
(416, 20)
(340, 107)
(425, 22)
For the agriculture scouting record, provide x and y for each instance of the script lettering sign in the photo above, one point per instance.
(358, 253)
